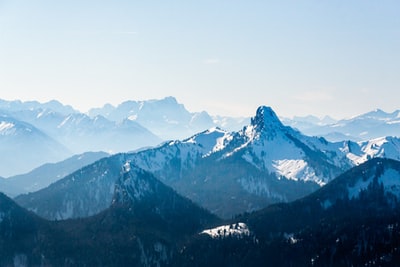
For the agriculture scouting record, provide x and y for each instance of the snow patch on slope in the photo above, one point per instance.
(295, 168)
(6, 128)
(237, 229)
(207, 140)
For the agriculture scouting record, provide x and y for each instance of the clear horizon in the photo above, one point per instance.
(225, 57)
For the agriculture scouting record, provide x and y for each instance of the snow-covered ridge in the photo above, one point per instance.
(210, 140)
(384, 147)
(237, 229)
(185, 153)
(270, 146)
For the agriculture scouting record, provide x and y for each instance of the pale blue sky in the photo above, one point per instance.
(338, 58)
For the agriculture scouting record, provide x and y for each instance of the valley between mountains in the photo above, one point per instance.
(263, 194)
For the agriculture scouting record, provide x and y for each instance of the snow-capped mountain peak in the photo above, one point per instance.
(266, 119)
(265, 124)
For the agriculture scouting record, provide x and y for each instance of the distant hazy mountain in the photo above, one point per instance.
(166, 117)
(79, 132)
(227, 173)
(309, 121)
(144, 226)
(367, 126)
(24, 147)
(129, 126)
(230, 124)
(352, 221)
(19, 106)
(48, 173)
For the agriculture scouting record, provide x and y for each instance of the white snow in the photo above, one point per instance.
(236, 229)
(208, 140)
(291, 239)
(272, 149)
(281, 156)
(384, 147)
(292, 169)
(393, 122)
(6, 127)
(222, 142)
(132, 117)
(127, 167)
(187, 151)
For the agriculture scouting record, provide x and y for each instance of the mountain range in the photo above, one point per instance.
(140, 228)
(371, 125)
(285, 198)
(23, 146)
(227, 173)
(351, 221)
(133, 125)
(46, 174)
(166, 117)
(62, 131)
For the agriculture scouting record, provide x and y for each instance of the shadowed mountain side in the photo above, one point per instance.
(352, 221)
(46, 174)
(144, 226)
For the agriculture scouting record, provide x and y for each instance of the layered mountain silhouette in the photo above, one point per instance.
(371, 125)
(48, 173)
(130, 126)
(227, 173)
(353, 220)
(143, 226)
(166, 117)
(23, 147)
(287, 199)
